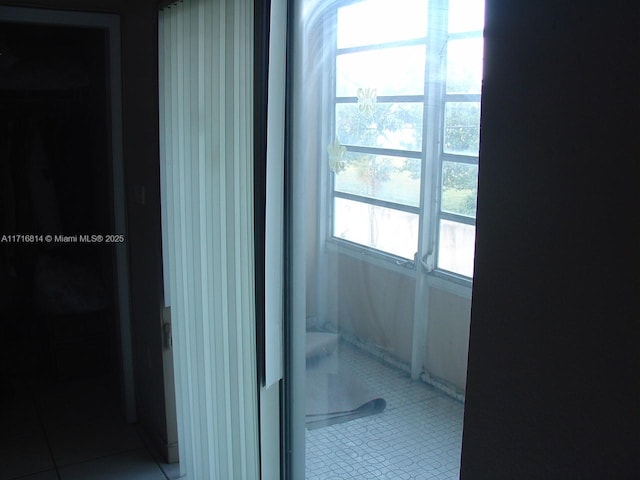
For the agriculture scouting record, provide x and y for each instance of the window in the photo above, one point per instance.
(405, 129)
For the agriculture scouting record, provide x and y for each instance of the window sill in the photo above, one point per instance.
(439, 279)
(379, 259)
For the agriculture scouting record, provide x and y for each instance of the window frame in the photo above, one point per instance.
(431, 154)
(453, 158)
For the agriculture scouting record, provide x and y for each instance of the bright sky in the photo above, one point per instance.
(376, 21)
(400, 71)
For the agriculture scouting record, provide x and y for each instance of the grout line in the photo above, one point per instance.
(102, 457)
(58, 467)
(147, 445)
(368, 364)
(43, 428)
(389, 360)
(21, 477)
(430, 391)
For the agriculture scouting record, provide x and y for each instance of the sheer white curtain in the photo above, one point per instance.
(206, 75)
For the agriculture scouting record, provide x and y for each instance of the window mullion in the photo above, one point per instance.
(384, 151)
(462, 97)
(377, 202)
(328, 123)
(453, 157)
(454, 217)
(433, 114)
(381, 46)
(385, 99)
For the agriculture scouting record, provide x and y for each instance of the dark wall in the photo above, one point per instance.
(140, 137)
(553, 358)
(142, 169)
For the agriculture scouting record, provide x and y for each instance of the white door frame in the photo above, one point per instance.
(110, 23)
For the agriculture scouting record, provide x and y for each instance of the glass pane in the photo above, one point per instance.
(388, 125)
(391, 71)
(462, 128)
(377, 21)
(464, 65)
(393, 179)
(385, 229)
(456, 247)
(466, 15)
(354, 412)
(459, 188)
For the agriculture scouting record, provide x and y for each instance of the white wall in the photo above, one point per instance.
(376, 304)
(448, 337)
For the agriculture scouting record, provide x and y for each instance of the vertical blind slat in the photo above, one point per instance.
(206, 55)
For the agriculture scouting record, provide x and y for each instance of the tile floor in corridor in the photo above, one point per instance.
(73, 430)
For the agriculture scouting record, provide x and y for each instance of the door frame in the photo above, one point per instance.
(110, 23)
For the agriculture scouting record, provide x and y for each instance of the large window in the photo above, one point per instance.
(405, 129)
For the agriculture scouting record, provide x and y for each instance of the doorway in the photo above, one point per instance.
(60, 315)
(67, 378)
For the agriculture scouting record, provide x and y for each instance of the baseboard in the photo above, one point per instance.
(167, 451)
(171, 453)
(384, 356)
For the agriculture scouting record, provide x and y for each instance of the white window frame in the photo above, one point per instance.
(432, 153)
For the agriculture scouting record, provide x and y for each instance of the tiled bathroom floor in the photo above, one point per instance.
(72, 430)
(418, 436)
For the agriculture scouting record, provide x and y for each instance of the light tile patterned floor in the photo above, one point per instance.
(418, 436)
(46, 434)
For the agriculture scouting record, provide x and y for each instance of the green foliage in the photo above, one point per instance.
(375, 127)
(462, 128)
(470, 204)
(462, 202)
(413, 168)
(357, 128)
(372, 171)
(459, 176)
(459, 188)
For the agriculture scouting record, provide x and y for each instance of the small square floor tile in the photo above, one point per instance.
(171, 470)
(48, 475)
(24, 455)
(76, 401)
(18, 415)
(94, 439)
(419, 434)
(135, 465)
